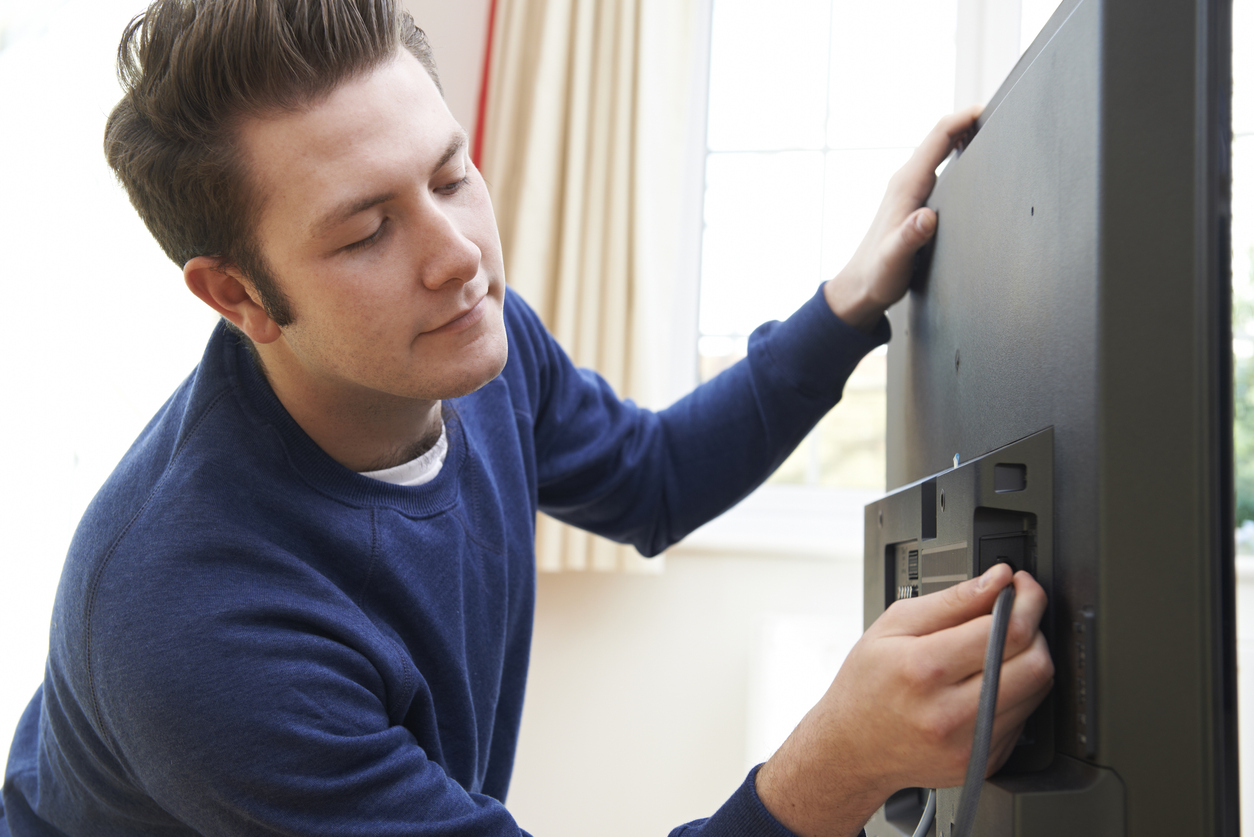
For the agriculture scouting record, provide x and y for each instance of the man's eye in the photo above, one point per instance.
(454, 187)
(366, 242)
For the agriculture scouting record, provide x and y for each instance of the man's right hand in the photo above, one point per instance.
(901, 711)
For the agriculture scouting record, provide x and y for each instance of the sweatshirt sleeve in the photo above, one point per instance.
(251, 703)
(649, 479)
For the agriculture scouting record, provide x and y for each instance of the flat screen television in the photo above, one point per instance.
(1060, 396)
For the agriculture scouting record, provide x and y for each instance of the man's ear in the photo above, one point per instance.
(224, 289)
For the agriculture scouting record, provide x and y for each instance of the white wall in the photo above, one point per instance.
(99, 328)
(641, 706)
(458, 35)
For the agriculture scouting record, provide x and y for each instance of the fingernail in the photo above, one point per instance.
(984, 578)
(924, 222)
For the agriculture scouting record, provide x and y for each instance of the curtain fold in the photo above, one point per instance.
(587, 109)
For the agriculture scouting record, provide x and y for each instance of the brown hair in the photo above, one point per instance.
(191, 70)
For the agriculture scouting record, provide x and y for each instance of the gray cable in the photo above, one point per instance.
(978, 763)
(929, 814)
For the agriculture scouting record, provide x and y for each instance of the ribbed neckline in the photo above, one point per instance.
(420, 470)
(311, 463)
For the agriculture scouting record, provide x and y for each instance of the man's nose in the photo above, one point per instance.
(446, 253)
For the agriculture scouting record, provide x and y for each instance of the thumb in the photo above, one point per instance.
(899, 246)
(946, 608)
(913, 233)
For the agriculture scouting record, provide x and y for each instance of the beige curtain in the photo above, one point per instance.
(587, 121)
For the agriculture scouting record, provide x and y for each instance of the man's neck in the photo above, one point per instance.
(361, 429)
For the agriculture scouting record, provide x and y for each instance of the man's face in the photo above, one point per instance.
(381, 235)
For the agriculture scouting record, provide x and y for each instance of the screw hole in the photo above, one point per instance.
(942, 499)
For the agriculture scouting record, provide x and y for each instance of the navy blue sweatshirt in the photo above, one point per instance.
(250, 639)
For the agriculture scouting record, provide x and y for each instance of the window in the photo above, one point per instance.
(812, 106)
(1243, 264)
(809, 116)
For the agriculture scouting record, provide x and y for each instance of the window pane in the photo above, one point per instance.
(1243, 333)
(850, 439)
(1033, 14)
(857, 114)
(847, 449)
(1243, 68)
(760, 254)
(1243, 216)
(892, 72)
(768, 74)
(855, 185)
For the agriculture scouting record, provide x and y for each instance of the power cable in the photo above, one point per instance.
(978, 764)
(929, 814)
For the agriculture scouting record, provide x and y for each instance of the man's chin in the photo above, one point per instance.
(483, 380)
(478, 375)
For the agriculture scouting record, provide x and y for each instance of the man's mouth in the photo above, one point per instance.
(464, 320)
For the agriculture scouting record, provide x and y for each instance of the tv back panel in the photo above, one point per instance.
(1077, 291)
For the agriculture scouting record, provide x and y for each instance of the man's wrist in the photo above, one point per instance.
(850, 301)
(812, 796)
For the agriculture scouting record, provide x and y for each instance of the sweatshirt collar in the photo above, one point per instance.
(310, 462)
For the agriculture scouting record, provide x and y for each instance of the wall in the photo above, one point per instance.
(99, 328)
(458, 34)
(644, 689)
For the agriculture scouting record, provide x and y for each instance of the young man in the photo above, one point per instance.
(302, 603)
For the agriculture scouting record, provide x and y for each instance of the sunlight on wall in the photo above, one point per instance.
(100, 328)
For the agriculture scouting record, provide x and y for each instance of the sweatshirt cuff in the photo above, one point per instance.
(744, 815)
(816, 351)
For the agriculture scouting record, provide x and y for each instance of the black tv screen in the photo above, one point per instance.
(1075, 306)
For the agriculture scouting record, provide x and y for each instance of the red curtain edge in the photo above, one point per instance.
(476, 152)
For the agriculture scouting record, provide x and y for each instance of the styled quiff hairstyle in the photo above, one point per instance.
(193, 70)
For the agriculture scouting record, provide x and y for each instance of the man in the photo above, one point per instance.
(302, 603)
